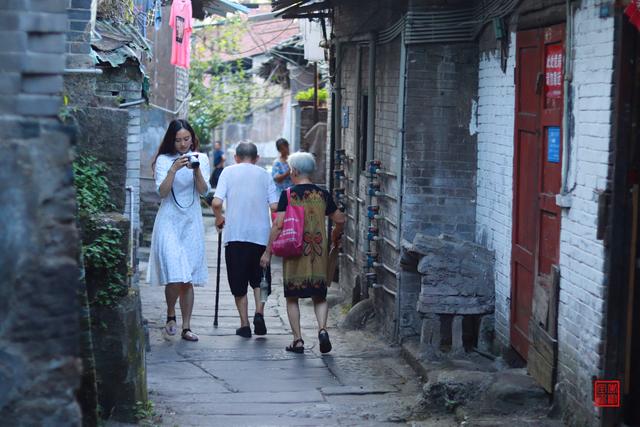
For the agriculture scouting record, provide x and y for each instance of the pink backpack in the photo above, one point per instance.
(289, 242)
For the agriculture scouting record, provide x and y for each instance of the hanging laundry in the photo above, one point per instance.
(141, 10)
(180, 21)
(157, 15)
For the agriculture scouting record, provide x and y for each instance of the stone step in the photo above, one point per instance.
(474, 393)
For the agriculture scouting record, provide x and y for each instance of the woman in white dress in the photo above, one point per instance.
(177, 260)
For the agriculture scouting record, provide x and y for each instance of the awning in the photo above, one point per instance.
(204, 8)
(290, 9)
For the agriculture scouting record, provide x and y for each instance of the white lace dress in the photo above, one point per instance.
(177, 244)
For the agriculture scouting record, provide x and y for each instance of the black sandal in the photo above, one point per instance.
(294, 346)
(325, 343)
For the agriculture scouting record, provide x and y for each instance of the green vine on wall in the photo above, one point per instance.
(103, 253)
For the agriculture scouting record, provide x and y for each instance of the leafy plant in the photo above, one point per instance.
(103, 253)
(144, 410)
(92, 191)
(220, 87)
(307, 95)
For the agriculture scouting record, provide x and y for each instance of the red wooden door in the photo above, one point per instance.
(537, 171)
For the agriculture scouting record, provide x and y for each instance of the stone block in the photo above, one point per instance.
(52, 6)
(430, 337)
(13, 41)
(79, 14)
(81, 4)
(38, 105)
(79, 48)
(46, 43)
(43, 63)
(457, 345)
(78, 25)
(10, 83)
(35, 84)
(120, 357)
(33, 21)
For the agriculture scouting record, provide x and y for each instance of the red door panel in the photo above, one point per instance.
(537, 172)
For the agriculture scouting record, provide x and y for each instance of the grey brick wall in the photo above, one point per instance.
(39, 248)
(81, 18)
(440, 164)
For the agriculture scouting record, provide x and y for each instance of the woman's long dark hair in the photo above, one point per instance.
(168, 145)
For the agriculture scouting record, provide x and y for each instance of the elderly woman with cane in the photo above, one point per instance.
(177, 260)
(305, 276)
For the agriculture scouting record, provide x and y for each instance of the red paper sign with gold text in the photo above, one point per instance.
(553, 76)
(633, 12)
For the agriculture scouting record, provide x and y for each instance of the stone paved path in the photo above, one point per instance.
(226, 380)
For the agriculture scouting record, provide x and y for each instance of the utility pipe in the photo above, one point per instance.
(355, 166)
(82, 71)
(562, 199)
(402, 86)
(371, 106)
(130, 272)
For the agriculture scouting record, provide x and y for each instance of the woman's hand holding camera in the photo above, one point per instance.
(179, 163)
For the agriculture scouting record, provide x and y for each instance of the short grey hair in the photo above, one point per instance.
(304, 163)
(247, 150)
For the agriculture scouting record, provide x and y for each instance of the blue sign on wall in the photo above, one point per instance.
(345, 117)
(553, 141)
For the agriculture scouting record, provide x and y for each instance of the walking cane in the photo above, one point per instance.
(215, 317)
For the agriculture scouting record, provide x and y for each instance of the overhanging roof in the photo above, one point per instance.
(302, 8)
(116, 42)
(204, 8)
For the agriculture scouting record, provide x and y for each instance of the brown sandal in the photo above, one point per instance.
(294, 348)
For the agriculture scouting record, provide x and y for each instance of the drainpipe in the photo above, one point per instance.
(371, 105)
(400, 172)
(563, 200)
(131, 241)
(337, 121)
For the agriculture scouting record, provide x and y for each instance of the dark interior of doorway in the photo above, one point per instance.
(631, 382)
(623, 237)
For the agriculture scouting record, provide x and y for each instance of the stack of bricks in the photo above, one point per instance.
(81, 14)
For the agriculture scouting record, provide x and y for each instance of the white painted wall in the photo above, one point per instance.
(581, 311)
(496, 104)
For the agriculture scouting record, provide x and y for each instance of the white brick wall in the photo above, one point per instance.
(496, 104)
(134, 148)
(581, 311)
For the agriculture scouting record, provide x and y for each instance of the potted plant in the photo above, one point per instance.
(305, 97)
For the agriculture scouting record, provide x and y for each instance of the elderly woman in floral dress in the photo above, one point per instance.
(306, 276)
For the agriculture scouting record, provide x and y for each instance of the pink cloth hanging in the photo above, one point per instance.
(180, 21)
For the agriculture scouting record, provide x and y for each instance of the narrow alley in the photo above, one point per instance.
(454, 184)
(226, 380)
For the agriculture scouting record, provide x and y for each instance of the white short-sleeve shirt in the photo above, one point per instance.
(248, 191)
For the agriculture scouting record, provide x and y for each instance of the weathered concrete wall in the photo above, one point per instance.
(39, 361)
(102, 133)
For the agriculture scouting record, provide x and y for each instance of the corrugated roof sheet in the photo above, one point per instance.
(116, 42)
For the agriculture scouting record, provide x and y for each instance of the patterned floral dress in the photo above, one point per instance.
(306, 276)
